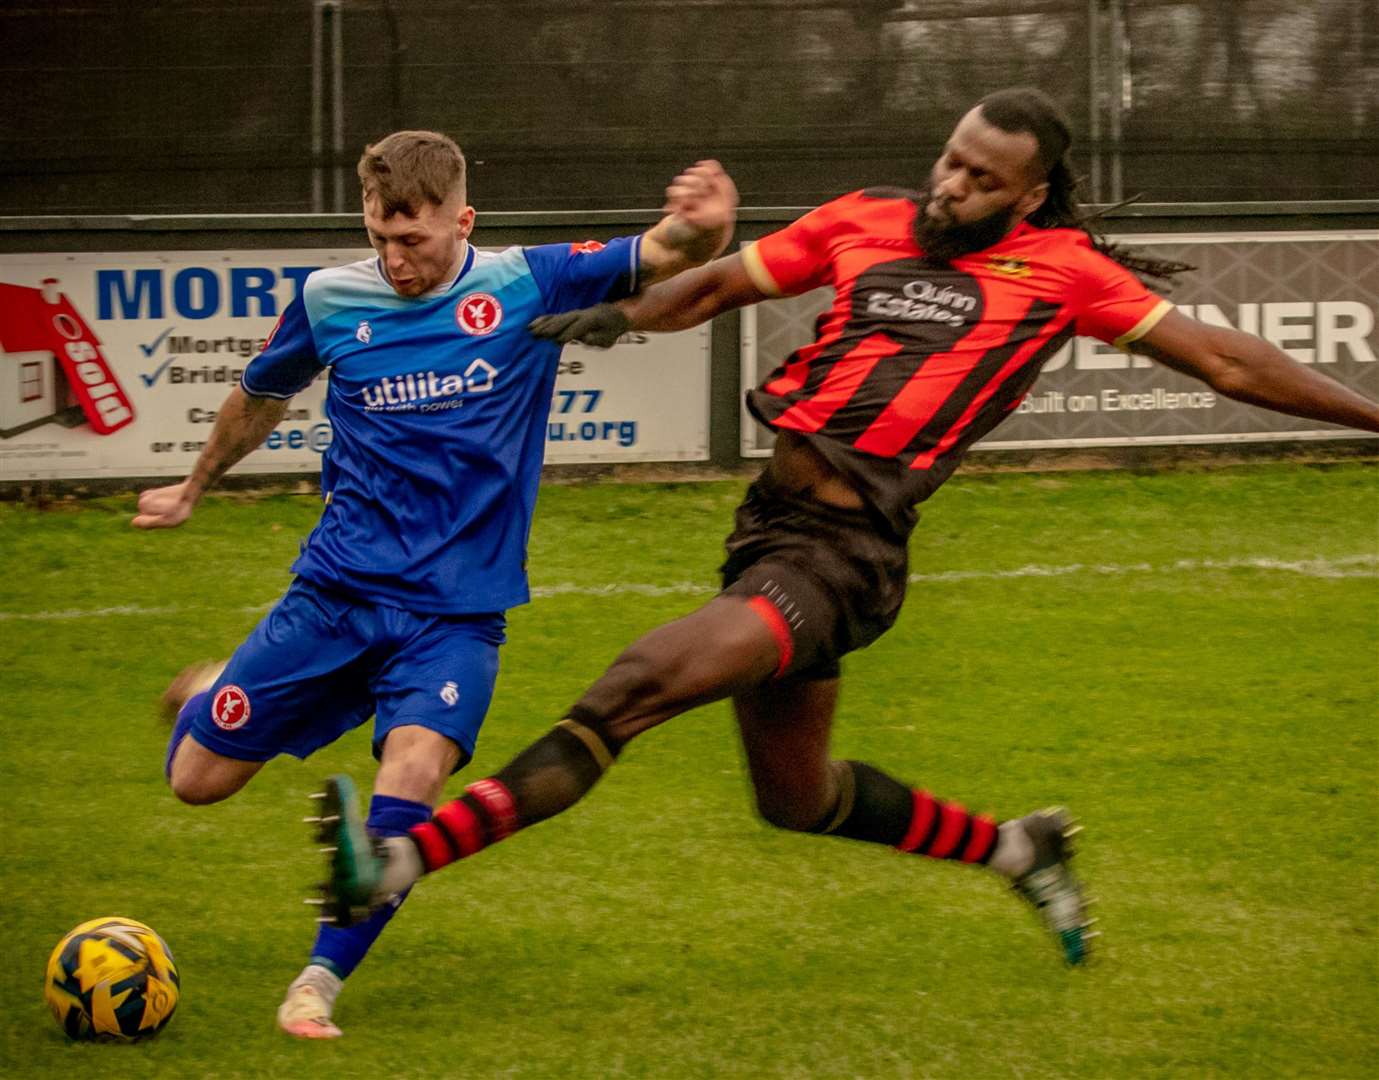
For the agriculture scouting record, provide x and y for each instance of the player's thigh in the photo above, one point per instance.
(298, 682)
(440, 677)
(826, 579)
(785, 728)
(199, 776)
(709, 654)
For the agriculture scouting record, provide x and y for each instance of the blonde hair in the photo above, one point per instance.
(408, 169)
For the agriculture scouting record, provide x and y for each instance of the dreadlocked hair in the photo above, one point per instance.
(1026, 109)
(1062, 210)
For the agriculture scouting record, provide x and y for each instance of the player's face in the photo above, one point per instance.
(423, 251)
(985, 182)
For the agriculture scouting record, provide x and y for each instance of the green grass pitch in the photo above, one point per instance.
(1187, 660)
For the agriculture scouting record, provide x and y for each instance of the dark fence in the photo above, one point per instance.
(211, 105)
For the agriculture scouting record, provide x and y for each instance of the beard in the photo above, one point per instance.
(943, 241)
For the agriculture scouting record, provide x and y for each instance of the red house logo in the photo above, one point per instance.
(51, 367)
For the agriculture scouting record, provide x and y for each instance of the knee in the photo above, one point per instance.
(198, 789)
(199, 777)
(416, 763)
(642, 682)
(640, 673)
(786, 813)
(416, 777)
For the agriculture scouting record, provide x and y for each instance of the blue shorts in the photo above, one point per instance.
(320, 664)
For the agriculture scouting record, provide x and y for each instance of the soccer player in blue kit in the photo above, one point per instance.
(438, 400)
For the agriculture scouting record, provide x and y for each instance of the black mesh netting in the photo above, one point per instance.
(206, 105)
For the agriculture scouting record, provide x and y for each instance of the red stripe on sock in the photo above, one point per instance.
(780, 630)
(463, 826)
(499, 804)
(949, 832)
(983, 839)
(435, 852)
(920, 821)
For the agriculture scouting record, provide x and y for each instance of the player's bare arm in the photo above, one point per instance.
(241, 425)
(686, 300)
(701, 208)
(694, 297)
(1250, 369)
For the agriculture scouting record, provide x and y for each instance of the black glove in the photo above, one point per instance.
(599, 326)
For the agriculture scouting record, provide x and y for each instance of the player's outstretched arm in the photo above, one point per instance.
(241, 425)
(686, 300)
(677, 290)
(701, 210)
(1250, 369)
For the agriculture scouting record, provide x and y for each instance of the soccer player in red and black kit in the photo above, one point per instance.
(948, 302)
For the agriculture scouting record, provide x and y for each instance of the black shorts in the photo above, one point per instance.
(827, 580)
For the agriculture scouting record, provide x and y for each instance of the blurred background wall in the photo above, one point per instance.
(187, 106)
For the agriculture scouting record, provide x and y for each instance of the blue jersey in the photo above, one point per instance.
(438, 406)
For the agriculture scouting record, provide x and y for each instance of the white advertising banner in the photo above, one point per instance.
(645, 399)
(114, 365)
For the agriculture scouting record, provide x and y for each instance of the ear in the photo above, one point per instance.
(464, 224)
(1032, 200)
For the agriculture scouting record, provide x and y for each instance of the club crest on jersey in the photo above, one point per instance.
(1009, 265)
(365, 332)
(479, 313)
(230, 708)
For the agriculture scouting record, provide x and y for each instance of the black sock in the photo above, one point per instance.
(885, 811)
(550, 775)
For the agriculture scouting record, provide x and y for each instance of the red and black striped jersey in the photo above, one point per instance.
(916, 360)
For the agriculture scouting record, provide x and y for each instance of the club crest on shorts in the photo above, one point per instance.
(450, 693)
(230, 708)
(479, 314)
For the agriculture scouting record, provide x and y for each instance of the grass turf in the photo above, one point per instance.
(1208, 715)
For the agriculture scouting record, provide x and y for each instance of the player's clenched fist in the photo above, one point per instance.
(704, 196)
(164, 507)
(700, 211)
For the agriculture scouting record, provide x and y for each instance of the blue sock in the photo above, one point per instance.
(341, 949)
(180, 729)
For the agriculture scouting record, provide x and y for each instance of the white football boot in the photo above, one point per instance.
(305, 1012)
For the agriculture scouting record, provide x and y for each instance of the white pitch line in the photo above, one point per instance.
(1346, 566)
(122, 609)
(93, 613)
(541, 592)
(1363, 566)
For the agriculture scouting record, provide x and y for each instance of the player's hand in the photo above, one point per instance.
(599, 326)
(704, 197)
(164, 507)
